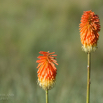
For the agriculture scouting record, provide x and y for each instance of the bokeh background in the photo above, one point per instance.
(30, 26)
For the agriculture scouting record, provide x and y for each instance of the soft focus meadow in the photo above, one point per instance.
(30, 26)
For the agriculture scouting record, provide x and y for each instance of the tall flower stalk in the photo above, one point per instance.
(46, 71)
(89, 28)
(88, 77)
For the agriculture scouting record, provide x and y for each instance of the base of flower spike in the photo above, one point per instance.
(89, 48)
(46, 84)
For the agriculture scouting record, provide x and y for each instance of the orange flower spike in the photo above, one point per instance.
(89, 28)
(46, 70)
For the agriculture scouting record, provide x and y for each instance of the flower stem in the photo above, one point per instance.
(47, 96)
(88, 77)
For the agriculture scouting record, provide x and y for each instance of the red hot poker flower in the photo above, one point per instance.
(89, 28)
(46, 70)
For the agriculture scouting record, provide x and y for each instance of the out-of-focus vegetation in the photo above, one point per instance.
(30, 26)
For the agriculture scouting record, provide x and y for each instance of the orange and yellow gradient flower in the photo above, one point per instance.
(46, 70)
(89, 28)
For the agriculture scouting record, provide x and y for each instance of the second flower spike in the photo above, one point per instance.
(89, 28)
(46, 70)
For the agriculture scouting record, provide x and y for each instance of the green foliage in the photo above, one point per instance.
(30, 26)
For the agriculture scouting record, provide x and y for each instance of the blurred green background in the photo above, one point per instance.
(30, 26)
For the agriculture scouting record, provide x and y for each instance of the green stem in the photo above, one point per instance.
(47, 96)
(88, 77)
